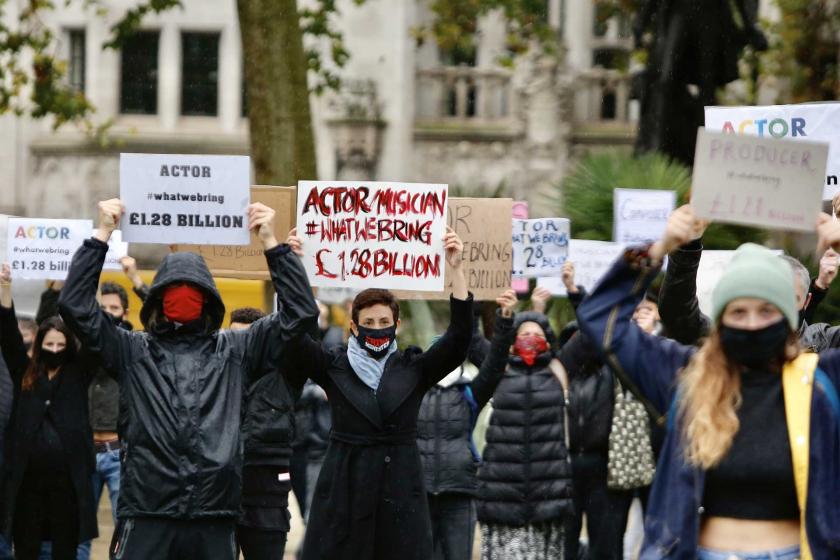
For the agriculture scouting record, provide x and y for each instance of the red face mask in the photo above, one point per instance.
(529, 346)
(182, 303)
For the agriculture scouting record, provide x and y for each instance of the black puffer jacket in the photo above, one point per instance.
(445, 423)
(526, 476)
(182, 387)
(591, 396)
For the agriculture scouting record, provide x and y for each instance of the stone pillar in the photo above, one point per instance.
(169, 80)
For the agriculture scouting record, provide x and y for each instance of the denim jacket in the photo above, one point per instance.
(673, 518)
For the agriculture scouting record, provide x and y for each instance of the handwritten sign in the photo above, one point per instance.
(640, 215)
(815, 122)
(41, 249)
(540, 246)
(712, 265)
(764, 182)
(373, 234)
(185, 198)
(248, 262)
(483, 224)
(117, 249)
(520, 212)
(592, 259)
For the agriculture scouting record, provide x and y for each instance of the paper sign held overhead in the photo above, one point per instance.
(592, 259)
(540, 246)
(117, 249)
(248, 261)
(484, 225)
(640, 215)
(810, 122)
(373, 234)
(764, 182)
(175, 199)
(520, 212)
(41, 249)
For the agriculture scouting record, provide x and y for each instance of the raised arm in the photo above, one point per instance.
(129, 266)
(11, 341)
(651, 363)
(77, 302)
(494, 365)
(678, 306)
(451, 349)
(48, 306)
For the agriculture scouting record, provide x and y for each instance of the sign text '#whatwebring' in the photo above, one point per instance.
(815, 122)
(363, 234)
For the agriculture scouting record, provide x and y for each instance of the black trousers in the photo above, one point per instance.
(262, 529)
(144, 538)
(46, 509)
(606, 510)
(453, 525)
(259, 544)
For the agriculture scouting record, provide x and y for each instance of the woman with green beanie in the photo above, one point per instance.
(750, 468)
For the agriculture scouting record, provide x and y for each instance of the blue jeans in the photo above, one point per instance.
(107, 472)
(791, 553)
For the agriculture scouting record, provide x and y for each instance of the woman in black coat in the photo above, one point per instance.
(47, 492)
(525, 481)
(370, 503)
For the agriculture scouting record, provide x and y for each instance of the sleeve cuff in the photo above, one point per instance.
(95, 243)
(279, 250)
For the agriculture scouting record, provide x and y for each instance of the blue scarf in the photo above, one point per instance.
(367, 368)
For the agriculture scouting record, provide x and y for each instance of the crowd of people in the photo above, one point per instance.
(726, 427)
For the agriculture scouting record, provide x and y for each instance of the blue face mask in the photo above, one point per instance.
(376, 341)
(755, 349)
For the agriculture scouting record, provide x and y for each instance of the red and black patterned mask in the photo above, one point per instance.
(529, 346)
(376, 341)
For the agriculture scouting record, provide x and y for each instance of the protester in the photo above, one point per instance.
(182, 385)
(46, 492)
(369, 499)
(525, 479)
(268, 428)
(683, 321)
(5, 413)
(444, 437)
(750, 466)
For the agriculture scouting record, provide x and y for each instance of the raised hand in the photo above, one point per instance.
(5, 274)
(568, 277)
(507, 302)
(454, 248)
(5, 286)
(828, 233)
(828, 269)
(261, 222)
(539, 299)
(295, 242)
(110, 212)
(683, 226)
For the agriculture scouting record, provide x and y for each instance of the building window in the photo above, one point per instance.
(139, 79)
(200, 74)
(76, 60)
(244, 93)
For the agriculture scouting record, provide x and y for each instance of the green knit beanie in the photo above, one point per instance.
(757, 272)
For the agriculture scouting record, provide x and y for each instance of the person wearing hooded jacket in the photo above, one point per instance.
(525, 479)
(444, 437)
(370, 503)
(182, 384)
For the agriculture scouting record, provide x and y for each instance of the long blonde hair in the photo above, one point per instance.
(710, 395)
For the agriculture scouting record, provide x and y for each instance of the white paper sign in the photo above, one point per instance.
(640, 215)
(817, 122)
(712, 265)
(117, 249)
(188, 199)
(540, 246)
(592, 259)
(41, 249)
(373, 234)
(4, 225)
(741, 179)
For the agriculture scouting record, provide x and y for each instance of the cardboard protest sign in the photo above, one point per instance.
(540, 246)
(41, 249)
(815, 122)
(754, 181)
(483, 224)
(373, 234)
(592, 259)
(520, 212)
(117, 249)
(640, 215)
(712, 265)
(248, 262)
(175, 199)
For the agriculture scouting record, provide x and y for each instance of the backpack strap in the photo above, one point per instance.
(466, 391)
(562, 376)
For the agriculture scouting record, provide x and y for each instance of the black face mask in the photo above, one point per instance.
(755, 349)
(52, 360)
(376, 341)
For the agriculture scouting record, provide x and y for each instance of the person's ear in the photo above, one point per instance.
(808, 300)
(353, 328)
(398, 323)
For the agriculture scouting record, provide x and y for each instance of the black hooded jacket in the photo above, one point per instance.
(182, 387)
